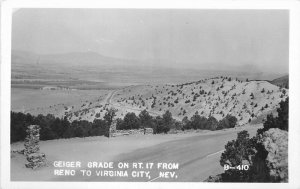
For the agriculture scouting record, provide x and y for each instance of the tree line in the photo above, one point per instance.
(55, 128)
(164, 123)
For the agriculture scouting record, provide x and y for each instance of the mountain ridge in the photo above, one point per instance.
(95, 61)
(247, 100)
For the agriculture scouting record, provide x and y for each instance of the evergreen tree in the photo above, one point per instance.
(212, 123)
(145, 119)
(281, 121)
(236, 153)
(186, 123)
(131, 121)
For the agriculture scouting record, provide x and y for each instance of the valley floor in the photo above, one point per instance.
(197, 153)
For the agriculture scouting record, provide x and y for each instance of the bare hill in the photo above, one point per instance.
(210, 97)
(217, 97)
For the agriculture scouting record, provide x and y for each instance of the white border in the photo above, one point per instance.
(294, 69)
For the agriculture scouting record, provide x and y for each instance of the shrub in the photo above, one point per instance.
(145, 119)
(212, 123)
(281, 121)
(100, 127)
(186, 123)
(130, 121)
(168, 121)
(163, 124)
(198, 122)
(238, 152)
(227, 122)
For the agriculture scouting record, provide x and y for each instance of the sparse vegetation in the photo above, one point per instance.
(281, 121)
(250, 152)
(201, 95)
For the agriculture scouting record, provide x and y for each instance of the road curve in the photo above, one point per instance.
(198, 157)
(108, 100)
(109, 96)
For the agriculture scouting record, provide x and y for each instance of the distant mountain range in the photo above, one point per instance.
(162, 71)
(72, 59)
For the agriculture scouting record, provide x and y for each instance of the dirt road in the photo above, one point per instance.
(109, 96)
(108, 100)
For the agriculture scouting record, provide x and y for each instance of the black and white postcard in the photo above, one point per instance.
(140, 94)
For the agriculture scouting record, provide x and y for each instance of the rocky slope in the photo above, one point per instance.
(247, 100)
(275, 142)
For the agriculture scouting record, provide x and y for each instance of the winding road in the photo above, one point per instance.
(109, 97)
(197, 156)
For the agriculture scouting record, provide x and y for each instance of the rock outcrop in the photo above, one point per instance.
(275, 142)
(269, 164)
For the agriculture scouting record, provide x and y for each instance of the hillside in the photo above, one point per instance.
(217, 97)
(281, 82)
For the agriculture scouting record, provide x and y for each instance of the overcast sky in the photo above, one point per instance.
(228, 37)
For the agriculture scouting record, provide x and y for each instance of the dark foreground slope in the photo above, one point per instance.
(281, 82)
